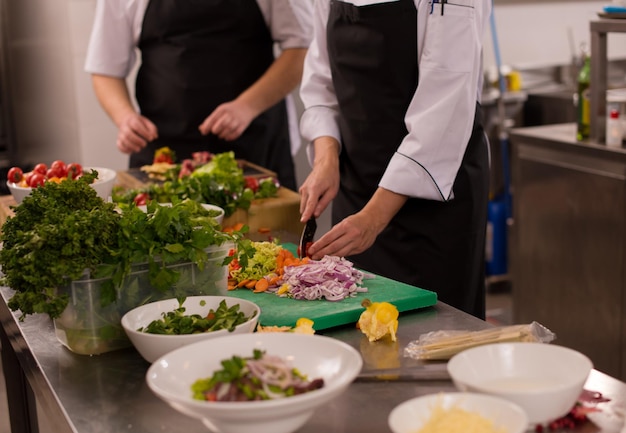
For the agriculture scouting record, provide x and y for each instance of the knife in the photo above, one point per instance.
(405, 376)
(307, 237)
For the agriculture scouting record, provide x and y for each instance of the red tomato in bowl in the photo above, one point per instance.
(41, 168)
(74, 170)
(58, 168)
(15, 175)
(36, 179)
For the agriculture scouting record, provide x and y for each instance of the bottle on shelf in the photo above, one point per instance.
(583, 109)
(614, 133)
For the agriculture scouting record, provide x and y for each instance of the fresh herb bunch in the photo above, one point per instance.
(58, 231)
(178, 323)
(62, 230)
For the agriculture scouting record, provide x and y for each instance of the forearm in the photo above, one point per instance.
(278, 81)
(382, 207)
(113, 95)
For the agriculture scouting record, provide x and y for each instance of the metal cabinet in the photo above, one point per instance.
(568, 241)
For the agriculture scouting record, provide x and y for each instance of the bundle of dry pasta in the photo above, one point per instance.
(442, 345)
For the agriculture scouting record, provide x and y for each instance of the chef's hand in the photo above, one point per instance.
(135, 132)
(352, 235)
(357, 232)
(322, 184)
(228, 120)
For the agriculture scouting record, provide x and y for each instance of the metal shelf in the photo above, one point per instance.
(600, 28)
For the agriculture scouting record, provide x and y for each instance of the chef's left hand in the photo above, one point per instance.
(228, 120)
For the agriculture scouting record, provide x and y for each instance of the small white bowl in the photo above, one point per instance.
(103, 184)
(152, 346)
(411, 415)
(544, 379)
(337, 363)
(211, 207)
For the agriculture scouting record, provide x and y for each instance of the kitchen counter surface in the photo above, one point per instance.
(108, 393)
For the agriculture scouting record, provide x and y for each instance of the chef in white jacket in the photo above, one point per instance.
(208, 79)
(391, 91)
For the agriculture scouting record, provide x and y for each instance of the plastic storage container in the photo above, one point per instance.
(87, 327)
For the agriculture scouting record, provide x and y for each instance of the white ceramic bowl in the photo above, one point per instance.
(219, 218)
(152, 346)
(411, 415)
(171, 377)
(544, 379)
(103, 184)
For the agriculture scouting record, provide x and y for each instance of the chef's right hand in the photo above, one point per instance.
(322, 184)
(135, 132)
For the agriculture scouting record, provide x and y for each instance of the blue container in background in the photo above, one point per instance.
(496, 242)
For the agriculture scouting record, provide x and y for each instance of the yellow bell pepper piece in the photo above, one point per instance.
(304, 326)
(378, 320)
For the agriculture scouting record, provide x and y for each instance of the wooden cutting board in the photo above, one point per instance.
(277, 311)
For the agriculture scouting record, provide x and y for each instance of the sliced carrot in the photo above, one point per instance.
(264, 230)
(274, 280)
(262, 285)
(243, 283)
(250, 284)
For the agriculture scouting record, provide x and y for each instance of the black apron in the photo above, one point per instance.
(197, 54)
(434, 245)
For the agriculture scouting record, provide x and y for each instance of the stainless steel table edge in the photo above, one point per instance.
(107, 393)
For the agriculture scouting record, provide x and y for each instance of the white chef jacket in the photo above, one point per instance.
(118, 23)
(439, 118)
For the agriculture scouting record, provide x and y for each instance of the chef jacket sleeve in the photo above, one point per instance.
(440, 116)
(289, 21)
(114, 37)
(321, 110)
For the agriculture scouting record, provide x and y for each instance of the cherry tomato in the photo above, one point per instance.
(141, 199)
(41, 168)
(59, 168)
(36, 179)
(15, 175)
(51, 173)
(74, 170)
(252, 183)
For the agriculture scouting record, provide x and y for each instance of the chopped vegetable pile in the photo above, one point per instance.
(213, 178)
(178, 323)
(260, 377)
(274, 269)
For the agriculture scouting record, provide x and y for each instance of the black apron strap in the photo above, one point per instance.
(197, 54)
(434, 245)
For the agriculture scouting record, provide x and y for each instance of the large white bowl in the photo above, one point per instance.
(152, 346)
(172, 375)
(544, 379)
(103, 184)
(410, 416)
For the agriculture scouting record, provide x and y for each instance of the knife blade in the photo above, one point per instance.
(411, 375)
(308, 233)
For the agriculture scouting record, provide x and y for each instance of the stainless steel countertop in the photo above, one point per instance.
(108, 393)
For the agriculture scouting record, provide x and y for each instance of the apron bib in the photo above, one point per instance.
(433, 245)
(197, 54)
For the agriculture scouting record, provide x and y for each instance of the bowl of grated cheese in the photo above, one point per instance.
(457, 412)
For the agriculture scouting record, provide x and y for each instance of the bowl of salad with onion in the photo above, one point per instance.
(159, 327)
(255, 383)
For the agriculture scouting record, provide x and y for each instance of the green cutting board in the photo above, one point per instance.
(278, 311)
